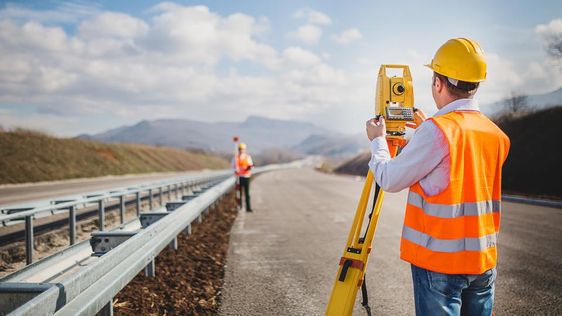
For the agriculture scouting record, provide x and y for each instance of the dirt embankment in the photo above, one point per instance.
(189, 280)
(357, 165)
(29, 156)
(533, 165)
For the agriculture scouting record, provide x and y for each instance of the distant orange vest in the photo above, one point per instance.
(243, 161)
(455, 231)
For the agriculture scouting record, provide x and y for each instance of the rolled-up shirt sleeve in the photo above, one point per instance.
(418, 158)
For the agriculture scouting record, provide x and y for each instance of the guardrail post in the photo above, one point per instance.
(101, 215)
(174, 244)
(150, 199)
(72, 224)
(107, 310)
(138, 204)
(150, 269)
(187, 230)
(160, 195)
(122, 208)
(176, 190)
(169, 192)
(29, 239)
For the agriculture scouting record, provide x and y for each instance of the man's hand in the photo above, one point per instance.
(375, 128)
(419, 118)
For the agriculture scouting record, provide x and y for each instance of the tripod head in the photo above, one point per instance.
(395, 100)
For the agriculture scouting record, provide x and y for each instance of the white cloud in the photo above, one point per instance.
(308, 34)
(196, 34)
(311, 32)
(300, 57)
(551, 36)
(112, 24)
(527, 78)
(348, 36)
(554, 27)
(313, 17)
(169, 64)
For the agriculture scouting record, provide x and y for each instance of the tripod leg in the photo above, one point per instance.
(353, 263)
(365, 296)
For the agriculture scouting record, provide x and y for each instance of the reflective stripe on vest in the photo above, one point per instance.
(454, 210)
(448, 245)
(455, 231)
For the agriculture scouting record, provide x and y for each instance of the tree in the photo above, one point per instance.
(516, 103)
(554, 45)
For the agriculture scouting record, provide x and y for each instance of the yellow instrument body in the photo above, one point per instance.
(395, 99)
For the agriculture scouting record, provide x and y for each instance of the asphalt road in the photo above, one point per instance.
(17, 193)
(283, 258)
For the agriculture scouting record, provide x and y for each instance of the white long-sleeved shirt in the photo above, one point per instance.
(425, 158)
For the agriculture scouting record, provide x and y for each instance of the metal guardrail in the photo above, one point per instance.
(92, 289)
(532, 201)
(22, 211)
(56, 206)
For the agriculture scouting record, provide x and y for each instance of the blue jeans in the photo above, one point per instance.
(453, 294)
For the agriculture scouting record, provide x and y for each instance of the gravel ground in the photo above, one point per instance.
(188, 281)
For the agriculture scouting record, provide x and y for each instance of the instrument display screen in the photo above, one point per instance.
(399, 114)
(395, 111)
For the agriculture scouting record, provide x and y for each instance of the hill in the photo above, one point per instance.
(534, 101)
(357, 165)
(259, 132)
(535, 154)
(31, 156)
(532, 167)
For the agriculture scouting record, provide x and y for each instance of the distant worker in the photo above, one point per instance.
(243, 165)
(453, 167)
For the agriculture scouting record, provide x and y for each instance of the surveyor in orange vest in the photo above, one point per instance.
(453, 167)
(243, 165)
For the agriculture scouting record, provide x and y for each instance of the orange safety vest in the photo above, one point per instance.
(243, 161)
(455, 231)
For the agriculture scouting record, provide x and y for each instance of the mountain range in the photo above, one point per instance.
(260, 133)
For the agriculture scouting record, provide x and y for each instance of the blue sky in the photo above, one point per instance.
(84, 67)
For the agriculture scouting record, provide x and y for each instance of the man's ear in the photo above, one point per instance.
(439, 84)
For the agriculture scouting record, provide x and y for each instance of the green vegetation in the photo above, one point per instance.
(28, 156)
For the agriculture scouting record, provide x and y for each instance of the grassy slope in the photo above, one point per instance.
(534, 164)
(29, 157)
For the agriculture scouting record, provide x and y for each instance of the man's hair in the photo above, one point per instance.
(459, 89)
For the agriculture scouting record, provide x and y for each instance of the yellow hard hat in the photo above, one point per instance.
(241, 146)
(461, 59)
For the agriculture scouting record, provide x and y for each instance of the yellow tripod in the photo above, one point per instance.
(394, 101)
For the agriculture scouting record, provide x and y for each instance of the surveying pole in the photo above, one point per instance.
(395, 102)
(237, 188)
